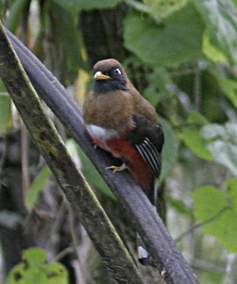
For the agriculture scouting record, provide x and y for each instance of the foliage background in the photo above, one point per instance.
(182, 56)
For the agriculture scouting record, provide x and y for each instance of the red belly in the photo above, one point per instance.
(120, 147)
(140, 170)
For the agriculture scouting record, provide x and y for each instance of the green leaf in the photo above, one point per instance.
(220, 18)
(227, 85)
(37, 187)
(5, 112)
(93, 176)
(222, 141)
(232, 188)
(169, 151)
(164, 8)
(35, 256)
(212, 51)
(230, 89)
(81, 160)
(196, 118)
(34, 268)
(225, 154)
(194, 141)
(208, 201)
(211, 202)
(76, 5)
(225, 230)
(177, 40)
(56, 273)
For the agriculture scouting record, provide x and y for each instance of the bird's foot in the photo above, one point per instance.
(116, 169)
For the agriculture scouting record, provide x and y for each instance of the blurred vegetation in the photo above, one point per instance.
(182, 56)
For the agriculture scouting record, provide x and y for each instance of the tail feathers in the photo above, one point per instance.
(150, 192)
(157, 199)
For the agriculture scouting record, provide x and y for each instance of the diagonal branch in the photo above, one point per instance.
(80, 195)
(158, 241)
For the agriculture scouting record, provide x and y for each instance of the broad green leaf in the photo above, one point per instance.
(220, 18)
(93, 176)
(34, 268)
(232, 188)
(56, 273)
(211, 51)
(5, 113)
(230, 89)
(35, 256)
(227, 85)
(196, 118)
(142, 8)
(224, 153)
(177, 40)
(77, 5)
(88, 169)
(169, 151)
(211, 202)
(208, 201)
(194, 141)
(163, 8)
(37, 187)
(222, 141)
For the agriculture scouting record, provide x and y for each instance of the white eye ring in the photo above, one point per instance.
(118, 71)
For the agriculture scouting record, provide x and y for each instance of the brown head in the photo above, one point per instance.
(109, 75)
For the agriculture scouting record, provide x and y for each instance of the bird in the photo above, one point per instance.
(121, 121)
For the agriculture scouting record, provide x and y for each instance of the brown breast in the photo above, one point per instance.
(110, 110)
(114, 109)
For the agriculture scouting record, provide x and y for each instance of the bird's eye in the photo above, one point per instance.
(117, 71)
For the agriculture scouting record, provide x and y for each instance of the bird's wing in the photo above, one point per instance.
(147, 137)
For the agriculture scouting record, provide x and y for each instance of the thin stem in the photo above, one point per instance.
(201, 224)
(63, 253)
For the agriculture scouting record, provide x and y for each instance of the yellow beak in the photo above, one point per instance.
(100, 76)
